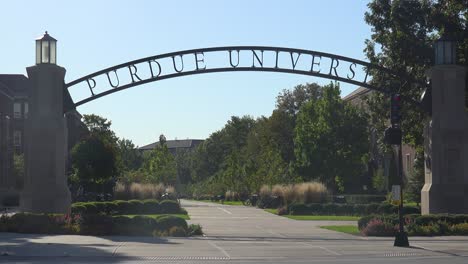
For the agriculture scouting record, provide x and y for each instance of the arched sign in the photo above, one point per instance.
(230, 59)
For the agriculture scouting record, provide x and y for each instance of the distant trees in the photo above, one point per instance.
(159, 165)
(311, 135)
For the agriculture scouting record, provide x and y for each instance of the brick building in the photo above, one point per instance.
(7, 182)
(14, 110)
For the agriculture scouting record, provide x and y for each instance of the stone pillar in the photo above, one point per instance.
(446, 144)
(45, 186)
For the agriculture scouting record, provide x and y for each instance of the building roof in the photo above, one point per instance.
(5, 91)
(175, 144)
(356, 93)
(17, 83)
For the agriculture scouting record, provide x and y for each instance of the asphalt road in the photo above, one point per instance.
(234, 234)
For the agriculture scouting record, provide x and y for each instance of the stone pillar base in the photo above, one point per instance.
(444, 199)
(55, 200)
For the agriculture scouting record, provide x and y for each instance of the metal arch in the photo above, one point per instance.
(244, 69)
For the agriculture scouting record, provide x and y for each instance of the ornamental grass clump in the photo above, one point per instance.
(232, 196)
(265, 192)
(141, 191)
(311, 192)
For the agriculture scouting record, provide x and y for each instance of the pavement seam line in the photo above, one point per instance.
(118, 246)
(323, 248)
(226, 211)
(219, 248)
(270, 231)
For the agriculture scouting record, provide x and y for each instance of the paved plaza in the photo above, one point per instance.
(234, 234)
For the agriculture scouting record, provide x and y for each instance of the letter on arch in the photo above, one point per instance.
(133, 72)
(259, 59)
(182, 63)
(151, 69)
(230, 58)
(110, 82)
(89, 85)
(334, 67)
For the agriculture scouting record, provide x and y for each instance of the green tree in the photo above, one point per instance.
(100, 126)
(94, 164)
(160, 166)
(403, 33)
(130, 156)
(290, 101)
(330, 141)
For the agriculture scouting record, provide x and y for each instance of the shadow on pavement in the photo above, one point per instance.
(15, 247)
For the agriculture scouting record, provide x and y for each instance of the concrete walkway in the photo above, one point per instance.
(234, 234)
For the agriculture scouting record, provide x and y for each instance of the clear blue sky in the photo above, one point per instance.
(93, 35)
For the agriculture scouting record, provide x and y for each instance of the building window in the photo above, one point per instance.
(408, 163)
(17, 138)
(17, 110)
(26, 110)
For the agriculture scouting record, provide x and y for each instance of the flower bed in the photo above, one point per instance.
(416, 225)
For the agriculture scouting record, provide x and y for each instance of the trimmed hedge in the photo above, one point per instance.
(128, 207)
(349, 209)
(93, 224)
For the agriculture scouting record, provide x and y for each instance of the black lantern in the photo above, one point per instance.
(445, 50)
(46, 49)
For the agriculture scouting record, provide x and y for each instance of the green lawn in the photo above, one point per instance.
(225, 202)
(349, 229)
(272, 211)
(184, 216)
(317, 217)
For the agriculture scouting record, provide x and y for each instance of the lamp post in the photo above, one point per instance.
(445, 50)
(46, 50)
(45, 189)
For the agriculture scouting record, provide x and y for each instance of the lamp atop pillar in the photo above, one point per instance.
(446, 48)
(46, 50)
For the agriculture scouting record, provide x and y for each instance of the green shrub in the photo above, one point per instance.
(459, 229)
(169, 207)
(96, 225)
(167, 221)
(348, 209)
(371, 208)
(122, 225)
(121, 207)
(364, 199)
(91, 208)
(424, 230)
(195, 230)
(135, 207)
(36, 223)
(177, 231)
(151, 207)
(143, 225)
(78, 209)
(386, 208)
(299, 209)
